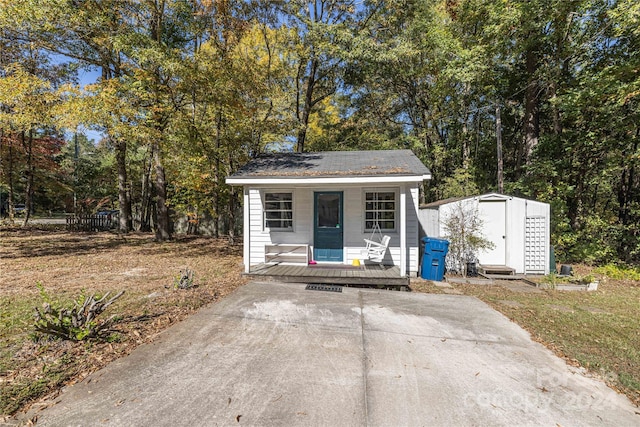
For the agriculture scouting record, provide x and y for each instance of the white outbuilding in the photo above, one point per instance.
(320, 208)
(518, 228)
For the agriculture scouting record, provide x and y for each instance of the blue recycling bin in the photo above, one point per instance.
(435, 251)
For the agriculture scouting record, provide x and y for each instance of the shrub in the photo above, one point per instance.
(463, 229)
(185, 280)
(78, 322)
(617, 272)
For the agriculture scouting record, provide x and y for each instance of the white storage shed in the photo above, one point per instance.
(518, 228)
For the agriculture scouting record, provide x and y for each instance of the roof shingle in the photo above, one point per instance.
(334, 164)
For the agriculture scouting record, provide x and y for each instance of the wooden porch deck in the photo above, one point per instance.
(331, 274)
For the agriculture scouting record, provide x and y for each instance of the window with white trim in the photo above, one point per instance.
(278, 211)
(380, 208)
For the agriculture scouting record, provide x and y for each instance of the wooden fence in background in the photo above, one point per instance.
(89, 223)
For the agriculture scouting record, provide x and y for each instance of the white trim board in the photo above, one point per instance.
(327, 180)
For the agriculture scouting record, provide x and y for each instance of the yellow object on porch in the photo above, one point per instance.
(356, 262)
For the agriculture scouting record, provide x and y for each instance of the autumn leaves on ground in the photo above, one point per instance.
(68, 265)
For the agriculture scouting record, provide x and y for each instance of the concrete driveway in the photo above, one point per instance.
(277, 354)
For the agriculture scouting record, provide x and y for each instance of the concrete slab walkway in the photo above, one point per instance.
(277, 354)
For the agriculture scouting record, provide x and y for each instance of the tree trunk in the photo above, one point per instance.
(499, 150)
(555, 111)
(146, 196)
(216, 196)
(163, 232)
(531, 128)
(466, 145)
(125, 220)
(10, 201)
(231, 226)
(626, 190)
(303, 121)
(29, 172)
(8, 141)
(1, 161)
(302, 135)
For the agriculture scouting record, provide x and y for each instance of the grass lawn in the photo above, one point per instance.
(597, 330)
(67, 265)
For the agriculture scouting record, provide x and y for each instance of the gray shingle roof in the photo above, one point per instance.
(334, 164)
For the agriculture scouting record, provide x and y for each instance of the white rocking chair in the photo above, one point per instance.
(375, 251)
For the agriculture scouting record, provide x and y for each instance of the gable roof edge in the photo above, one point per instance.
(360, 179)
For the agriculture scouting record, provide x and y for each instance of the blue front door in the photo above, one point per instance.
(327, 226)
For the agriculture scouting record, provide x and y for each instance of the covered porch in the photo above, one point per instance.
(376, 275)
(324, 206)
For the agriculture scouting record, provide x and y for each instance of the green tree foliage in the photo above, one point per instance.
(235, 110)
(29, 143)
(319, 25)
(563, 73)
(88, 169)
(191, 90)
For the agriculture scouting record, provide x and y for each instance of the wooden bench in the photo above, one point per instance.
(286, 253)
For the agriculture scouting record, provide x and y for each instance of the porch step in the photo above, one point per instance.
(498, 270)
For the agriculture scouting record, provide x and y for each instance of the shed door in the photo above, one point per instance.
(494, 217)
(535, 238)
(327, 229)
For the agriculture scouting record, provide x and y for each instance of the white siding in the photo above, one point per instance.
(413, 229)
(449, 209)
(302, 216)
(516, 213)
(258, 239)
(429, 222)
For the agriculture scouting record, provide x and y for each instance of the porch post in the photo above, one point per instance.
(403, 230)
(246, 231)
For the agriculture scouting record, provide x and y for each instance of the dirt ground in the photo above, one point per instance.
(68, 265)
(106, 261)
